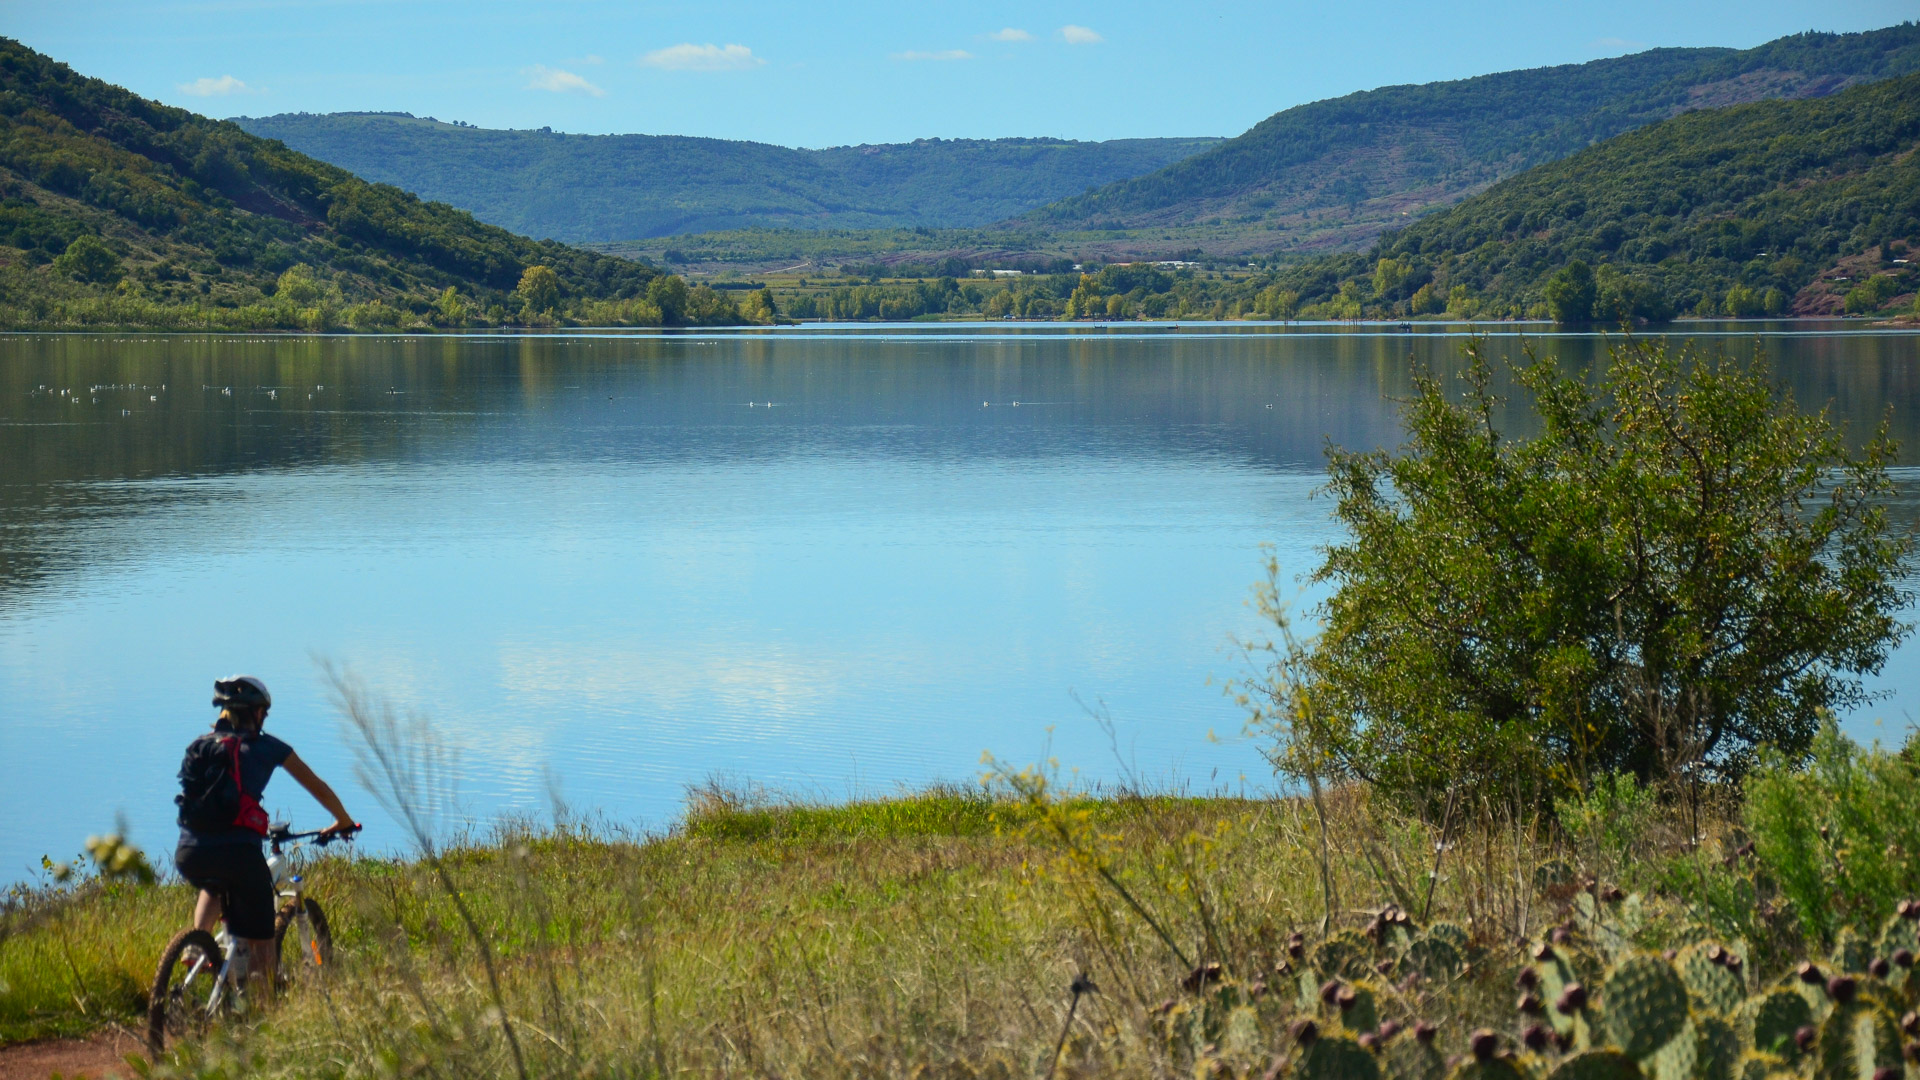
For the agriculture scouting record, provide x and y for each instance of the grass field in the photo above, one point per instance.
(932, 934)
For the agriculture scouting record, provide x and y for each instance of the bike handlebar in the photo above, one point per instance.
(281, 834)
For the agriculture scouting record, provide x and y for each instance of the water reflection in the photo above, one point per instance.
(830, 559)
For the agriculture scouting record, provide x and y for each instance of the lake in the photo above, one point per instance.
(829, 561)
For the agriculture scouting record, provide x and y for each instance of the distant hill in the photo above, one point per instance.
(1807, 207)
(600, 188)
(1335, 174)
(195, 215)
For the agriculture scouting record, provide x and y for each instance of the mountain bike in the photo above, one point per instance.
(202, 977)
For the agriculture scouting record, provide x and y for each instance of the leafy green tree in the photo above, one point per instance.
(297, 286)
(1388, 274)
(1570, 293)
(1680, 568)
(540, 288)
(668, 292)
(449, 309)
(89, 259)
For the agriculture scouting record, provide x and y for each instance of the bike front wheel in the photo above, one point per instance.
(304, 927)
(184, 996)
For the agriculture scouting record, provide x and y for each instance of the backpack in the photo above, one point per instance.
(211, 797)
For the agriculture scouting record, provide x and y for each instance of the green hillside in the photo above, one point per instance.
(1335, 174)
(119, 210)
(600, 188)
(1779, 207)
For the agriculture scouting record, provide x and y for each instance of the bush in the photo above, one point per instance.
(1679, 569)
(1841, 837)
(90, 260)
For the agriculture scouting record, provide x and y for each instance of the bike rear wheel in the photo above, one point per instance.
(180, 1004)
(305, 926)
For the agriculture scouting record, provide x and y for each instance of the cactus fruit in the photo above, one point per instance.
(1646, 1004)
(1596, 1065)
(1335, 1058)
(1855, 1042)
(1770, 1020)
(1713, 987)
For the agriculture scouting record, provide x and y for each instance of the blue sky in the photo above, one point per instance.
(841, 73)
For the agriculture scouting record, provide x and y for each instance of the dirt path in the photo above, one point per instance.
(98, 1057)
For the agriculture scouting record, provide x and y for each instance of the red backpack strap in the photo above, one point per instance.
(233, 748)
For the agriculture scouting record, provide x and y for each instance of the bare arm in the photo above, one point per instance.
(320, 791)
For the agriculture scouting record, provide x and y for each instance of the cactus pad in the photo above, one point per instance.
(1413, 1059)
(1596, 1065)
(1336, 1058)
(1855, 1041)
(1646, 1004)
(1716, 1052)
(1496, 1068)
(1452, 933)
(1711, 985)
(1346, 955)
(1364, 1013)
(1770, 1020)
(1755, 1065)
(1852, 953)
(1435, 958)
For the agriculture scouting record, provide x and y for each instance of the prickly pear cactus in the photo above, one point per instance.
(1852, 953)
(1493, 1068)
(1646, 1004)
(1333, 1057)
(1416, 1059)
(1346, 955)
(1606, 1064)
(1678, 1059)
(1856, 1041)
(1899, 934)
(1433, 958)
(1755, 1065)
(1452, 933)
(1711, 983)
(1358, 1006)
(1716, 1049)
(1768, 1022)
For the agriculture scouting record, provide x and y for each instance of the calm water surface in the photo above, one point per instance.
(830, 561)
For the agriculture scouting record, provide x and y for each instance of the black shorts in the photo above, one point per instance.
(238, 875)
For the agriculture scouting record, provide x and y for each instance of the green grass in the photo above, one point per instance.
(935, 931)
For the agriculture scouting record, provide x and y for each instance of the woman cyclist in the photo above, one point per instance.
(221, 824)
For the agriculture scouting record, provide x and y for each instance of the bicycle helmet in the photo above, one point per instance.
(241, 692)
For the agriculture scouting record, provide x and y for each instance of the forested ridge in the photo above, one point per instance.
(1336, 173)
(119, 210)
(599, 188)
(1779, 207)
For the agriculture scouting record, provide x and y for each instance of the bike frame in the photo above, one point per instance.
(287, 885)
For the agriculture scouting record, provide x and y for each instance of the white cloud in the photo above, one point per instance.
(1616, 43)
(220, 87)
(691, 57)
(1010, 34)
(944, 54)
(542, 77)
(590, 58)
(1080, 35)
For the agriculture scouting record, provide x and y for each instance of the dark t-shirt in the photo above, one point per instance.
(260, 754)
